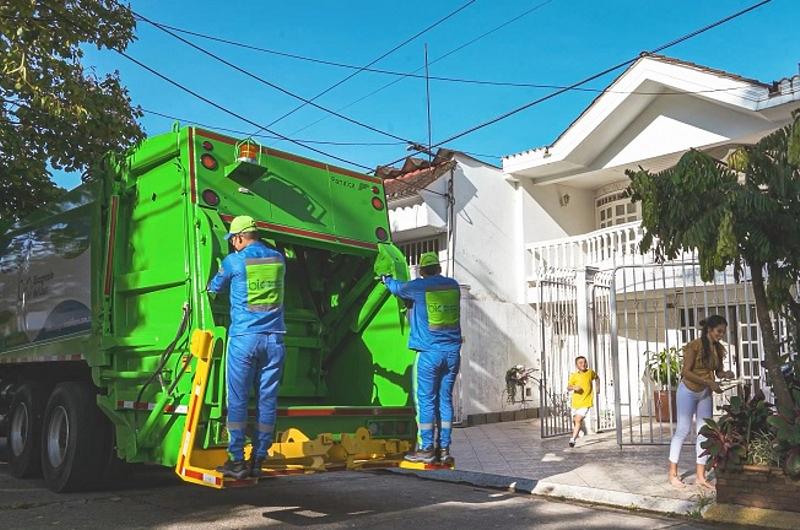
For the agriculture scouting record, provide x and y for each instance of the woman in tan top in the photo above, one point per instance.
(702, 363)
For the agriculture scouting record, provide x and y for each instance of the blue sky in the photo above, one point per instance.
(559, 43)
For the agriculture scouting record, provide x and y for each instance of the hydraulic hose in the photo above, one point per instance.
(167, 352)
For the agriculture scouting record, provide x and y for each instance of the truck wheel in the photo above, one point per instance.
(25, 431)
(72, 438)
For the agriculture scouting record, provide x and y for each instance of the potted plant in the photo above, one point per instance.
(664, 370)
(754, 450)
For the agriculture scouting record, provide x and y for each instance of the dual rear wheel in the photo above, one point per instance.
(63, 437)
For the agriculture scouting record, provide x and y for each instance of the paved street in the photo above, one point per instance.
(155, 499)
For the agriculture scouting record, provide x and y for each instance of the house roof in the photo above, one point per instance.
(649, 77)
(774, 88)
(702, 68)
(415, 174)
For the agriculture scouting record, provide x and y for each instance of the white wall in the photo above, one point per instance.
(484, 236)
(497, 336)
(543, 217)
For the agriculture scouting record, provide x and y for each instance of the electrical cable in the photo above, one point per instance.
(449, 79)
(374, 61)
(269, 83)
(213, 103)
(592, 77)
(268, 136)
(441, 57)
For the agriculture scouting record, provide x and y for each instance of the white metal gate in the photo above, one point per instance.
(658, 307)
(559, 346)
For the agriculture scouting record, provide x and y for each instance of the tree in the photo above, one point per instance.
(53, 112)
(745, 211)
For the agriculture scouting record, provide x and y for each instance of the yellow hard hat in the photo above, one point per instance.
(240, 225)
(428, 259)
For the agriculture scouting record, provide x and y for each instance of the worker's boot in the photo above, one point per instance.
(426, 456)
(445, 457)
(254, 466)
(236, 469)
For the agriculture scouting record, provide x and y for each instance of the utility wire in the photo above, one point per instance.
(304, 140)
(267, 136)
(268, 83)
(204, 99)
(592, 77)
(434, 61)
(414, 75)
(374, 61)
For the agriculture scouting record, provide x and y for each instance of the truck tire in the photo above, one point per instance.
(25, 430)
(72, 438)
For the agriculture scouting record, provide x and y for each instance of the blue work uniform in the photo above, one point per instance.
(435, 318)
(255, 277)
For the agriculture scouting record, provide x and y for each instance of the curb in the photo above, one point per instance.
(543, 488)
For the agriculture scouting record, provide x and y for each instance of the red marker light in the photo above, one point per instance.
(376, 189)
(210, 197)
(377, 203)
(381, 234)
(208, 146)
(209, 162)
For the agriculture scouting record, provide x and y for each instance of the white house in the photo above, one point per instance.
(555, 237)
(461, 208)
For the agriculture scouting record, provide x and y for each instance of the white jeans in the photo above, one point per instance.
(697, 404)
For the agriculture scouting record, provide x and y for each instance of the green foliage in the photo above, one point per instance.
(761, 451)
(740, 433)
(53, 112)
(745, 211)
(787, 435)
(723, 444)
(664, 367)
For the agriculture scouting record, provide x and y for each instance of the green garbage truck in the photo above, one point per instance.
(112, 351)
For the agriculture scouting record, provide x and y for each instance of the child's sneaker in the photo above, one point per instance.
(572, 442)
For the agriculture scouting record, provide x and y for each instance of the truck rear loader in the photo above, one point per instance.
(112, 351)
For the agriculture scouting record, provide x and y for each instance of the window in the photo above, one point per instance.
(412, 250)
(615, 208)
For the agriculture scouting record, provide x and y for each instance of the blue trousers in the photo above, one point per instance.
(253, 361)
(434, 376)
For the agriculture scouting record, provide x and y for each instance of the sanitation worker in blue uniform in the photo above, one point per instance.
(254, 274)
(436, 337)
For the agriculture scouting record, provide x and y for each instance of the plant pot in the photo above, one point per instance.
(664, 402)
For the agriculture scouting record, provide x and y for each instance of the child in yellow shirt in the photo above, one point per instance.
(580, 384)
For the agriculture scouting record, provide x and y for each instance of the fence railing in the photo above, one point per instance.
(604, 249)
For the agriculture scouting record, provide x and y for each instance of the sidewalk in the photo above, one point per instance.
(512, 455)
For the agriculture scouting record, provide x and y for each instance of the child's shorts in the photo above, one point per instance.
(581, 412)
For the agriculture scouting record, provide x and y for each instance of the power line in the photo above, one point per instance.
(441, 57)
(592, 77)
(414, 75)
(374, 61)
(236, 114)
(269, 83)
(304, 140)
(268, 136)
(214, 104)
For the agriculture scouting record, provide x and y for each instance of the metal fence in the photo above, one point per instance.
(656, 309)
(602, 361)
(559, 347)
